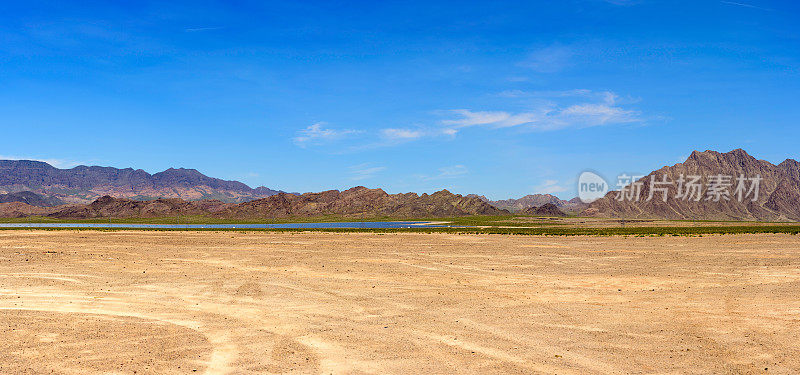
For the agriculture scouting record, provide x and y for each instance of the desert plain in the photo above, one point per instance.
(151, 302)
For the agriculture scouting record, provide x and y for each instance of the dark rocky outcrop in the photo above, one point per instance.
(547, 209)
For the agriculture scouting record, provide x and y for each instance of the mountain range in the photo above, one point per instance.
(36, 188)
(84, 184)
(358, 202)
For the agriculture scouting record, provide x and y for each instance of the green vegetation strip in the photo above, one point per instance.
(629, 231)
(506, 220)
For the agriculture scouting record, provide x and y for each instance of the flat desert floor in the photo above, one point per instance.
(81, 302)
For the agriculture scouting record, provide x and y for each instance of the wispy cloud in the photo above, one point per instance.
(450, 132)
(554, 93)
(396, 134)
(622, 2)
(584, 108)
(549, 187)
(197, 29)
(453, 171)
(58, 163)
(317, 134)
(499, 119)
(518, 79)
(448, 172)
(745, 5)
(550, 59)
(364, 171)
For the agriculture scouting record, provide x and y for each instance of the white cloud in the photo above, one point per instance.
(497, 119)
(549, 187)
(393, 136)
(58, 163)
(598, 114)
(401, 134)
(364, 171)
(317, 134)
(470, 118)
(450, 132)
(564, 109)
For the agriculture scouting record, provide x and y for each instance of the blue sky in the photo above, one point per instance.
(496, 98)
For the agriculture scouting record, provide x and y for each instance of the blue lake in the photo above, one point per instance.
(348, 225)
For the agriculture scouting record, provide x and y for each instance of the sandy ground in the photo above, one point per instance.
(201, 302)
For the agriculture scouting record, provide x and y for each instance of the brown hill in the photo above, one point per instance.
(21, 209)
(364, 202)
(84, 184)
(107, 206)
(548, 210)
(355, 202)
(778, 199)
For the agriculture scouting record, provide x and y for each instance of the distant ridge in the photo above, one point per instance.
(528, 201)
(779, 191)
(358, 202)
(547, 209)
(361, 201)
(84, 184)
(520, 205)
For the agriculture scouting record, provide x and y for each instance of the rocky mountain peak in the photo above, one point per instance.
(777, 187)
